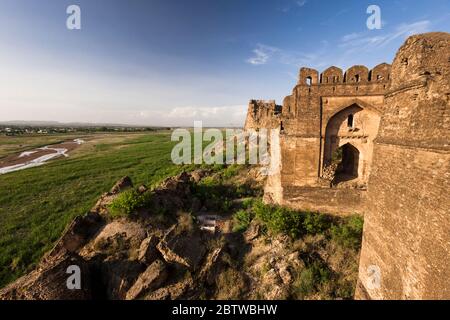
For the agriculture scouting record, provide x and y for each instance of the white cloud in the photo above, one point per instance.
(223, 116)
(364, 40)
(262, 55)
(316, 58)
(292, 5)
(351, 36)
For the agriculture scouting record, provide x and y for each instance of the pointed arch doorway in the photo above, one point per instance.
(346, 160)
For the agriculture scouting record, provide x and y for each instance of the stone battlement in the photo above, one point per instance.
(355, 75)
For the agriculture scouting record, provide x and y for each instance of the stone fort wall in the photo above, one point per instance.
(401, 134)
(407, 213)
(318, 105)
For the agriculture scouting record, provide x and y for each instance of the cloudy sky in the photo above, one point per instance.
(170, 62)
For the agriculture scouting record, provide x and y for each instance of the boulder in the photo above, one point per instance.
(117, 237)
(147, 252)
(284, 272)
(121, 185)
(198, 175)
(142, 189)
(185, 248)
(212, 266)
(118, 276)
(252, 232)
(151, 279)
(101, 207)
(178, 184)
(159, 295)
(78, 233)
(49, 280)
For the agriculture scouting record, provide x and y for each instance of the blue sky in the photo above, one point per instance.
(170, 62)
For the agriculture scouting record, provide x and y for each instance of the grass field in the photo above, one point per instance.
(36, 204)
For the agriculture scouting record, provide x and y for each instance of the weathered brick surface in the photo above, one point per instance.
(407, 224)
(407, 221)
(313, 120)
(401, 134)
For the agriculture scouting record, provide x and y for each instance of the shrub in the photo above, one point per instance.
(226, 205)
(316, 223)
(248, 203)
(128, 202)
(241, 220)
(349, 234)
(208, 188)
(279, 220)
(345, 290)
(218, 167)
(310, 280)
(231, 171)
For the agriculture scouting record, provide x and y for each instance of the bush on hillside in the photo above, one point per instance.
(128, 202)
(241, 220)
(349, 233)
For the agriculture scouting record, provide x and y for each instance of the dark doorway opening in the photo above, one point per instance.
(346, 160)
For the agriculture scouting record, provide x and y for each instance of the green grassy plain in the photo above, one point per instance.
(37, 203)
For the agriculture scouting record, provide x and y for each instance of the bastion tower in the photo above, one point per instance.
(406, 234)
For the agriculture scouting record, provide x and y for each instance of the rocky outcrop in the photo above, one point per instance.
(49, 280)
(147, 251)
(122, 185)
(116, 276)
(120, 258)
(78, 232)
(183, 248)
(152, 278)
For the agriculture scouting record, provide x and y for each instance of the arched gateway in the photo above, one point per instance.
(348, 145)
(329, 124)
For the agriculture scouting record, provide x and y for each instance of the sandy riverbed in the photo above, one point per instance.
(37, 157)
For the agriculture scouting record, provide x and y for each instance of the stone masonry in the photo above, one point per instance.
(376, 143)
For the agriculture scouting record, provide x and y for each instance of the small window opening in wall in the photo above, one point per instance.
(281, 126)
(350, 121)
(308, 81)
(357, 78)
